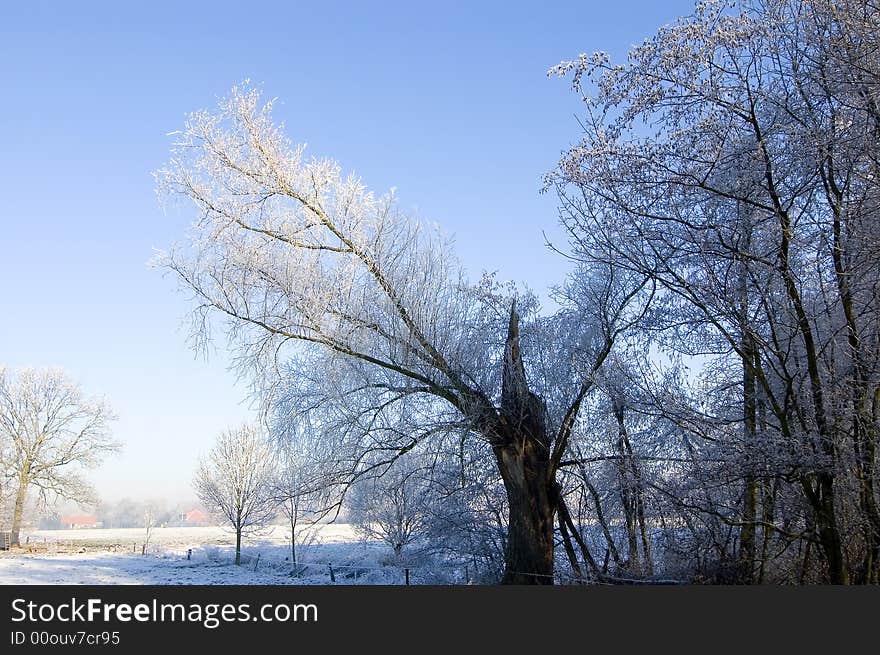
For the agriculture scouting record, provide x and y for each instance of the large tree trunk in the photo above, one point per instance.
(522, 450)
(18, 509)
(532, 506)
(238, 546)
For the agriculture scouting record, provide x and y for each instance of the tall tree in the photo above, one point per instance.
(346, 307)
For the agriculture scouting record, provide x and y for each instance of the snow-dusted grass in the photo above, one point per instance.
(186, 537)
(113, 557)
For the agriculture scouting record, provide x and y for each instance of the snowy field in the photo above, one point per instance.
(114, 557)
(188, 537)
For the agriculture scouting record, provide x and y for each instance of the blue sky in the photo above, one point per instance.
(447, 102)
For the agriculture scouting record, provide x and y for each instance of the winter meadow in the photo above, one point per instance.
(362, 386)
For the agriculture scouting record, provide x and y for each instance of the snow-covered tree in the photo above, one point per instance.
(149, 524)
(297, 488)
(235, 482)
(342, 307)
(394, 508)
(50, 431)
(733, 161)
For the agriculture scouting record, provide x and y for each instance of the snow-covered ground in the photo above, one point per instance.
(114, 557)
(188, 537)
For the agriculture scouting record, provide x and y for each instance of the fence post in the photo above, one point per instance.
(332, 577)
(257, 563)
(406, 571)
(189, 553)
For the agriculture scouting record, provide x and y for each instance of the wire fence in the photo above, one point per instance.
(318, 570)
(51, 546)
(328, 571)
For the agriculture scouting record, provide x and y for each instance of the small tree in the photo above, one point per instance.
(235, 482)
(394, 509)
(295, 490)
(50, 429)
(149, 524)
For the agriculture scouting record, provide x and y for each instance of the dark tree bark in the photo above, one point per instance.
(768, 508)
(523, 456)
(18, 509)
(600, 517)
(747, 535)
(632, 498)
(529, 556)
(238, 544)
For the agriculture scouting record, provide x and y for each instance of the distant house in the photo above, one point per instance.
(196, 517)
(80, 521)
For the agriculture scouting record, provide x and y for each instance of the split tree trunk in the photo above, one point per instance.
(522, 450)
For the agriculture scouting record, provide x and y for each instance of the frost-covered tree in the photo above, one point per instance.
(297, 488)
(342, 307)
(149, 523)
(235, 482)
(51, 431)
(733, 160)
(394, 508)
(467, 525)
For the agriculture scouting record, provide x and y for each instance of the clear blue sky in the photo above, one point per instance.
(448, 102)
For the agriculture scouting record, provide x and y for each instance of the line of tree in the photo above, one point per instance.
(705, 400)
(248, 483)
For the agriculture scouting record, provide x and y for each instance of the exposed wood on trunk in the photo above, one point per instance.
(523, 458)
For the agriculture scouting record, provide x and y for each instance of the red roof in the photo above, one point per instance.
(195, 516)
(79, 519)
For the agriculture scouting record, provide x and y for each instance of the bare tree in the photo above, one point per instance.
(297, 490)
(342, 305)
(752, 204)
(52, 431)
(395, 509)
(235, 482)
(7, 474)
(149, 524)
(467, 522)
